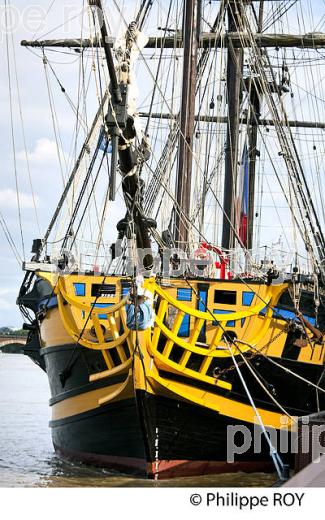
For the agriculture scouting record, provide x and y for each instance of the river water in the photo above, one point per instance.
(27, 458)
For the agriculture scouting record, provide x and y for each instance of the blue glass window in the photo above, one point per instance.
(230, 323)
(79, 289)
(49, 302)
(203, 297)
(184, 295)
(184, 330)
(289, 315)
(125, 291)
(103, 305)
(247, 298)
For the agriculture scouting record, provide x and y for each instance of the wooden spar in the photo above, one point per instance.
(234, 96)
(242, 120)
(207, 40)
(260, 16)
(185, 146)
(116, 92)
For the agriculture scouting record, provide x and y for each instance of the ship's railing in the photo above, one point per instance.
(82, 322)
(89, 257)
(174, 353)
(104, 329)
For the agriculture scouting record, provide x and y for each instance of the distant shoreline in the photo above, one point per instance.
(13, 348)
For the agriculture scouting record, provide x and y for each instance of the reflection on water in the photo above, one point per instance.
(26, 454)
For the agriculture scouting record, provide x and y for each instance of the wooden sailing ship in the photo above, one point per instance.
(228, 346)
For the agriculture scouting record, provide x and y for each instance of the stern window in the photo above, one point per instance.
(103, 290)
(247, 298)
(184, 295)
(227, 297)
(79, 289)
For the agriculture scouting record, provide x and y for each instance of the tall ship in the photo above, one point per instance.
(176, 295)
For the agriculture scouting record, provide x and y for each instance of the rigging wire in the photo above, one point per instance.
(158, 69)
(289, 149)
(287, 370)
(10, 239)
(45, 16)
(281, 10)
(100, 94)
(273, 452)
(68, 98)
(13, 140)
(87, 201)
(81, 195)
(161, 169)
(23, 131)
(54, 119)
(263, 386)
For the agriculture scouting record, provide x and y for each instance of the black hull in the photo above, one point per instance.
(185, 439)
(122, 436)
(109, 436)
(148, 435)
(155, 437)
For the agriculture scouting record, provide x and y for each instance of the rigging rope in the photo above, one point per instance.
(273, 452)
(258, 379)
(23, 130)
(13, 141)
(287, 370)
(10, 240)
(289, 150)
(70, 228)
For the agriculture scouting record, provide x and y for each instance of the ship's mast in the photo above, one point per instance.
(255, 108)
(191, 32)
(122, 134)
(234, 95)
(235, 40)
(115, 87)
(254, 111)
